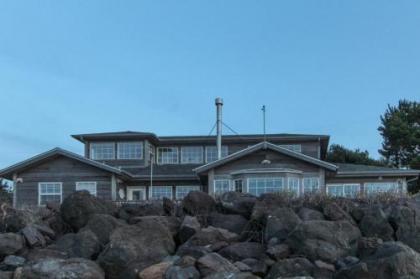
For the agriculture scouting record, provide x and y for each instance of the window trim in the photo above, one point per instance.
(186, 146)
(96, 187)
(289, 178)
(154, 187)
(206, 161)
(49, 182)
(130, 190)
(131, 159)
(282, 178)
(177, 186)
(222, 179)
(98, 143)
(342, 185)
(311, 177)
(365, 188)
(158, 152)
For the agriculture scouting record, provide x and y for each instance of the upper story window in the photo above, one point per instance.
(211, 153)
(102, 151)
(191, 154)
(292, 147)
(130, 150)
(167, 155)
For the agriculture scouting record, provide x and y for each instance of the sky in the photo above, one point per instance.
(322, 67)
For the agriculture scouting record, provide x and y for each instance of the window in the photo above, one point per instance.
(292, 147)
(238, 185)
(258, 186)
(381, 187)
(130, 150)
(310, 184)
(87, 186)
(182, 191)
(102, 151)
(211, 153)
(293, 185)
(191, 154)
(160, 192)
(49, 192)
(167, 155)
(343, 190)
(221, 186)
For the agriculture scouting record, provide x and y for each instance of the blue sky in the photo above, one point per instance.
(327, 67)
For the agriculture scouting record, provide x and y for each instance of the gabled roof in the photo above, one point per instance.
(351, 170)
(8, 172)
(266, 146)
(124, 135)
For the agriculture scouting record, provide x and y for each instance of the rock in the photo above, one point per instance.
(238, 203)
(232, 275)
(45, 230)
(357, 213)
(10, 244)
(198, 203)
(212, 263)
(12, 262)
(391, 260)
(33, 237)
(242, 267)
(307, 214)
(289, 268)
(78, 207)
(230, 222)
(168, 206)
(279, 251)
(242, 250)
(133, 248)
(37, 254)
(375, 224)
(280, 223)
(6, 274)
(178, 272)
(172, 223)
(189, 227)
(211, 235)
(265, 205)
(83, 244)
(324, 240)
(185, 261)
(258, 267)
(367, 246)
(15, 220)
(406, 223)
(335, 213)
(153, 208)
(102, 225)
(156, 271)
(346, 262)
(59, 269)
(323, 265)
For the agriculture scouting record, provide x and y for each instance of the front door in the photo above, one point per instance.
(136, 193)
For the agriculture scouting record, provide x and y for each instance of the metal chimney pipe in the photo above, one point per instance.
(219, 104)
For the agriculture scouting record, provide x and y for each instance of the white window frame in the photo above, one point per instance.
(79, 183)
(92, 154)
(396, 185)
(130, 142)
(311, 177)
(284, 186)
(292, 147)
(55, 194)
(222, 179)
(179, 187)
(298, 184)
(224, 154)
(183, 148)
(158, 157)
(130, 190)
(156, 187)
(343, 185)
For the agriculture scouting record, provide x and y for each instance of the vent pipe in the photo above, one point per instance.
(219, 104)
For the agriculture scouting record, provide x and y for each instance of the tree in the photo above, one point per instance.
(5, 194)
(339, 154)
(400, 129)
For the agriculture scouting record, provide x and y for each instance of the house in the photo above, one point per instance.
(132, 166)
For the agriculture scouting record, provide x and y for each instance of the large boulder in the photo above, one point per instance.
(308, 214)
(333, 212)
(179, 272)
(406, 223)
(243, 250)
(172, 223)
(375, 224)
(78, 207)
(102, 225)
(289, 268)
(132, 248)
(280, 223)
(391, 260)
(230, 222)
(84, 244)
(44, 253)
(10, 243)
(189, 227)
(14, 220)
(33, 237)
(153, 208)
(198, 203)
(156, 271)
(213, 262)
(238, 203)
(60, 269)
(324, 240)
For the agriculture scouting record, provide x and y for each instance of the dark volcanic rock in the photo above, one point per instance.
(375, 224)
(238, 203)
(243, 250)
(189, 227)
(230, 222)
(10, 243)
(83, 244)
(307, 214)
(334, 212)
(102, 225)
(33, 237)
(213, 262)
(280, 223)
(198, 203)
(289, 268)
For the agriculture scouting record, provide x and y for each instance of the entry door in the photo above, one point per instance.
(136, 194)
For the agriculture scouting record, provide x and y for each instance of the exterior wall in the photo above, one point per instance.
(60, 169)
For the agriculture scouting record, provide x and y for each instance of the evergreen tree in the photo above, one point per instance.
(339, 154)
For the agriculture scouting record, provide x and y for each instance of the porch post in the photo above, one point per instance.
(113, 187)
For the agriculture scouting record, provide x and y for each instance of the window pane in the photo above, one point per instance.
(221, 186)
(182, 191)
(87, 186)
(130, 150)
(292, 147)
(372, 188)
(211, 153)
(159, 192)
(310, 184)
(49, 192)
(102, 151)
(192, 154)
(258, 186)
(167, 155)
(293, 186)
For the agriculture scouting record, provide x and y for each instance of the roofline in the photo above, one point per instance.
(265, 145)
(378, 173)
(58, 151)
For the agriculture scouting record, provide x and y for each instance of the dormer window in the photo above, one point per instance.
(102, 151)
(130, 150)
(167, 155)
(191, 154)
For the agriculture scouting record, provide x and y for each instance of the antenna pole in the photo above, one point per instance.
(263, 110)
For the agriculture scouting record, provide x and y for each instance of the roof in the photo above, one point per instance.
(115, 135)
(8, 172)
(350, 170)
(264, 146)
(162, 172)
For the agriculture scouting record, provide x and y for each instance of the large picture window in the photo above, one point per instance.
(160, 192)
(182, 191)
(191, 154)
(221, 186)
(87, 186)
(49, 192)
(372, 188)
(261, 185)
(102, 151)
(211, 153)
(293, 185)
(130, 150)
(310, 184)
(167, 155)
(343, 190)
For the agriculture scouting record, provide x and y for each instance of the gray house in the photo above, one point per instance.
(132, 166)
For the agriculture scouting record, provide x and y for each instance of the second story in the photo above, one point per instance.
(139, 149)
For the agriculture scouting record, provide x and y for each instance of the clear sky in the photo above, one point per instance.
(327, 67)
